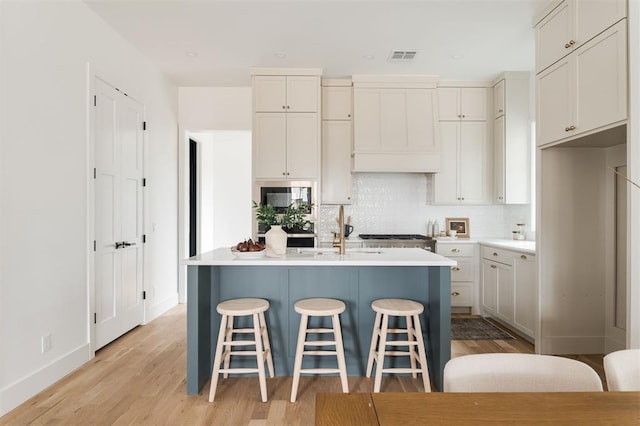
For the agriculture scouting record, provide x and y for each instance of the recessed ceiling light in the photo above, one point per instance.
(280, 55)
(192, 54)
(368, 56)
(457, 57)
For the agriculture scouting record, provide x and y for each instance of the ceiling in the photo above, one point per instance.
(216, 42)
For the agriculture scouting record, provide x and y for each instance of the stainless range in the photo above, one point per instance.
(398, 240)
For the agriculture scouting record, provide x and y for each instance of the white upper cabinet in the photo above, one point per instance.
(337, 141)
(286, 124)
(395, 127)
(585, 91)
(462, 103)
(337, 102)
(275, 93)
(572, 23)
(512, 140)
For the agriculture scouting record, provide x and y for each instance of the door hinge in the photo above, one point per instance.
(95, 318)
(144, 181)
(144, 295)
(144, 238)
(144, 125)
(95, 100)
(95, 173)
(94, 245)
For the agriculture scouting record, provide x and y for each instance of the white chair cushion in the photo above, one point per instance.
(622, 369)
(507, 372)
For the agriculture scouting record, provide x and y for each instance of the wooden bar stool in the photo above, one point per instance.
(411, 311)
(319, 308)
(226, 347)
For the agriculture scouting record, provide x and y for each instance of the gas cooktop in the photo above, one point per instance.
(393, 237)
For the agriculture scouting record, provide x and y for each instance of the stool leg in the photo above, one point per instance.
(260, 357)
(217, 359)
(381, 350)
(423, 355)
(374, 342)
(228, 336)
(302, 334)
(342, 365)
(412, 352)
(267, 345)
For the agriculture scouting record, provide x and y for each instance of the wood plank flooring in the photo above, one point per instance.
(140, 379)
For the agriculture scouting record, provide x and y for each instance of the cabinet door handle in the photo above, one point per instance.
(284, 174)
(284, 107)
(523, 257)
(455, 250)
(348, 115)
(571, 43)
(287, 106)
(455, 268)
(500, 110)
(494, 266)
(495, 254)
(568, 129)
(455, 293)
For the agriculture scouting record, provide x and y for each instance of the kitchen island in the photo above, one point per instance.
(357, 278)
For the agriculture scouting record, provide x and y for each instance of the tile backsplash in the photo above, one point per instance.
(397, 203)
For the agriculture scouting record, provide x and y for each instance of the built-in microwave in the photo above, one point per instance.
(282, 194)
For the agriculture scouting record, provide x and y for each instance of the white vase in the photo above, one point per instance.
(276, 240)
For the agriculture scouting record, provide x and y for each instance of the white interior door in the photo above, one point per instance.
(118, 136)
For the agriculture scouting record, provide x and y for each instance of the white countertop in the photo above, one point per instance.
(523, 246)
(327, 257)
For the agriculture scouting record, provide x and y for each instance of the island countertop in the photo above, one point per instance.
(326, 257)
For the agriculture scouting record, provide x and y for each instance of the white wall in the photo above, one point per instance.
(45, 185)
(204, 109)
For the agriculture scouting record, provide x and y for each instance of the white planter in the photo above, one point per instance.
(276, 239)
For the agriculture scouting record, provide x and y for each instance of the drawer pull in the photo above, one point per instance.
(495, 254)
(494, 266)
(455, 268)
(455, 250)
(455, 293)
(523, 257)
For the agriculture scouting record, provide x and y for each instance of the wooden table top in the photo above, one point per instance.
(438, 408)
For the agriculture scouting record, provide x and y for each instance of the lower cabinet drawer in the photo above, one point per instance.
(461, 295)
(497, 255)
(463, 271)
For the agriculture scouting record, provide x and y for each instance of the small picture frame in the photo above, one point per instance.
(460, 225)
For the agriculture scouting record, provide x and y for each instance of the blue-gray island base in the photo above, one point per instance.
(284, 283)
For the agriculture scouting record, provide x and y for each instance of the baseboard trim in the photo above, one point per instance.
(160, 308)
(20, 391)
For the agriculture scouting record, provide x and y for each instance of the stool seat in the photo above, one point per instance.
(397, 307)
(240, 307)
(319, 307)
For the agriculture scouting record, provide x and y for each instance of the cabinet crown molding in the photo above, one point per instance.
(285, 71)
(512, 75)
(465, 83)
(389, 81)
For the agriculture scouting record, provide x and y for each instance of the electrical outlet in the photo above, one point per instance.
(46, 343)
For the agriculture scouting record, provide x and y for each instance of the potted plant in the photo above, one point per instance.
(293, 219)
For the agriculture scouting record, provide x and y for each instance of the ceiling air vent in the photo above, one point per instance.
(402, 55)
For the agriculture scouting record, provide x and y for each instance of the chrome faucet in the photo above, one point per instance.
(341, 243)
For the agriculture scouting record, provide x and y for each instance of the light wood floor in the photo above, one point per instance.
(140, 379)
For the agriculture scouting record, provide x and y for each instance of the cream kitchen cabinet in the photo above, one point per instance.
(337, 99)
(395, 125)
(511, 140)
(508, 288)
(584, 91)
(337, 141)
(565, 26)
(524, 267)
(336, 161)
(464, 276)
(286, 123)
(290, 93)
(462, 103)
(286, 146)
(464, 176)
